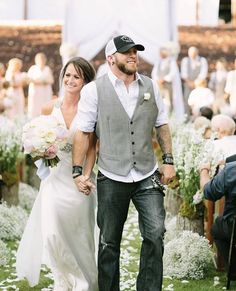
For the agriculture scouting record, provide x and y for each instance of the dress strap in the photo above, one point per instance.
(58, 103)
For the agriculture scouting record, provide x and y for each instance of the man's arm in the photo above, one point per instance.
(164, 139)
(79, 151)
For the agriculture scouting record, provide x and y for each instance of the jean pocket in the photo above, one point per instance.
(101, 177)
(155, 178)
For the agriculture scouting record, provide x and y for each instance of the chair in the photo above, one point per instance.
(232, 250)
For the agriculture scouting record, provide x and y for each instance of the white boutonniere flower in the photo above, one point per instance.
(147, 96)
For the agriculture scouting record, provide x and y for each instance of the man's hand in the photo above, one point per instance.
(167, 173)
(84, 184)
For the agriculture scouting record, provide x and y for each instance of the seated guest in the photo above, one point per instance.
(206, 112)
(204, 124)
(200, 96)
(224, 127)
(223, 184)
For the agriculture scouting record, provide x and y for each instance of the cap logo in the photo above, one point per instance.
(126, 38)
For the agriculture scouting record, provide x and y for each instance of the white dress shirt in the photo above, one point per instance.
(88, 112)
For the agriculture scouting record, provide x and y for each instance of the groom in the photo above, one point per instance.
(123, 107)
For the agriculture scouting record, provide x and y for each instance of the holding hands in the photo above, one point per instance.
(83, 182)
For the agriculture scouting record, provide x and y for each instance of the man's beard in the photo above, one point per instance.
(122, 67)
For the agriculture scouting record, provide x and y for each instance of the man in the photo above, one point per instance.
(124, 107)
(166, 73)
(223, 184)
(224, 128)
(193, 67)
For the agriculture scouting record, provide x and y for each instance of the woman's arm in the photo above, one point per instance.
(91, 154)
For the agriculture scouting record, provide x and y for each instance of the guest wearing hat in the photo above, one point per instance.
(122, 107)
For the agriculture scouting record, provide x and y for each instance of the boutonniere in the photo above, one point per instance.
(146, 96)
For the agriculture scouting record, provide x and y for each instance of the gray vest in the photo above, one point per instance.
(193, 73)
(125, 143)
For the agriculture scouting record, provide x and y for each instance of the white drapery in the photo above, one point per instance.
(208, 12)
(89, 24)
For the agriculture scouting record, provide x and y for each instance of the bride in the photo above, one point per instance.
(60, 229)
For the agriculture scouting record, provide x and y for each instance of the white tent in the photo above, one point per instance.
(89, 24)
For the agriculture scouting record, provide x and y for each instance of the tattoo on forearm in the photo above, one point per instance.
(164, 138)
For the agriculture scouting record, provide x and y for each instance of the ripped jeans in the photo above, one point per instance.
(113, 205)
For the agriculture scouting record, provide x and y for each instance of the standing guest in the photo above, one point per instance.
(124, 107)
(166, 74)
(193, 67)
(2, 75)
(230, 90)
(40, 86)
(217, 85)
(17, 80)
(60, 229)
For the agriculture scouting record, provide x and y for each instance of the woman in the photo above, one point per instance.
(40, 86)
(17, 80)
(60, 230)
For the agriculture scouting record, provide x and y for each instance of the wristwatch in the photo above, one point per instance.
(168, 159)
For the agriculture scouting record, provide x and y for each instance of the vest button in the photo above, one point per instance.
(131, 122)
(132, 142)
(134, 163)
(133, 153)
(132, 132)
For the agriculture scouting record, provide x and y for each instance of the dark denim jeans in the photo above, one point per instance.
(113, 204)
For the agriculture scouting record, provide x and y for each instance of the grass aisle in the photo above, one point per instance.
(129, 268)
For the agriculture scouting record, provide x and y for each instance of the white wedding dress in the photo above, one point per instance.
(60, 229)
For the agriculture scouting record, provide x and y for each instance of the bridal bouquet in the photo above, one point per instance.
(43, 137)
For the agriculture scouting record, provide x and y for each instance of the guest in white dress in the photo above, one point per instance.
(230, 90)
(17, 80)
(201, 96)
(40, 86)
(60, 229)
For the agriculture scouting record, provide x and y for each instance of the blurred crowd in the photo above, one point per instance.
(188, 89)
(24, 93)
(199, 88)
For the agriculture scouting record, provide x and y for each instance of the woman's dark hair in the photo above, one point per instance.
(82, 67)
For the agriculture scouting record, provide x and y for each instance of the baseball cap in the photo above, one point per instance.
(121, 44)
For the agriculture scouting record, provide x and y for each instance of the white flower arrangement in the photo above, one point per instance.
(4, 254)
(187, 257)
(146, 96)
(190, 150)
(12, 221)
(10, 150)
(43, 137)
(27, 196)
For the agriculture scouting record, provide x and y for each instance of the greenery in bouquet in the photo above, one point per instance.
(10, 151)
(190, 149)
(43, 137)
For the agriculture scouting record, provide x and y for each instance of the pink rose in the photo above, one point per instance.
(51, 151)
